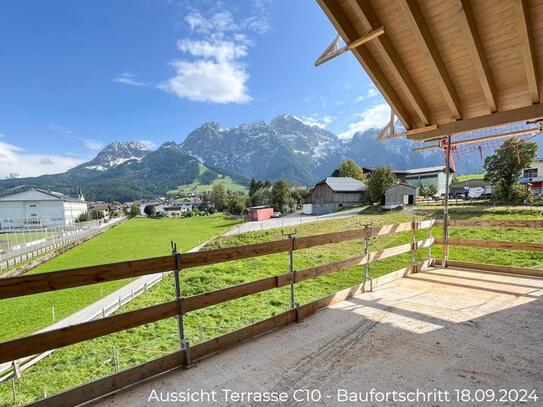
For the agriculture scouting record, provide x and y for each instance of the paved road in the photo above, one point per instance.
(289, 221)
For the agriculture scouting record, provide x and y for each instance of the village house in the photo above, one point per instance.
(333, 194)
(533, 176)
(37, 208)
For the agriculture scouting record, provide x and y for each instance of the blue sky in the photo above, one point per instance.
(77, 75)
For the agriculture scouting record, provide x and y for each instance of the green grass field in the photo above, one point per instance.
(79, 363)
(196, 187)
(134, 239)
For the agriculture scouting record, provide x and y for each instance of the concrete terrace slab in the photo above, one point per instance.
(443, 329)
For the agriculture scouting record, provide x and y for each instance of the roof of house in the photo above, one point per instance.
(344, 184)
(401, 184)
(38, 195)
(424, 170)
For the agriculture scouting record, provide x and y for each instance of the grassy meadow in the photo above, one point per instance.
(86, 361)
(134, 239)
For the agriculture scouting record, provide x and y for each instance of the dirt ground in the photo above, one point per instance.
(475, 335)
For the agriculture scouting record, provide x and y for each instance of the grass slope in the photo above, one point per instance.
(86, 361)
(134, 239)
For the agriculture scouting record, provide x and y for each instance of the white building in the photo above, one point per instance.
(533, 176)
(426, 176)
(39, 208)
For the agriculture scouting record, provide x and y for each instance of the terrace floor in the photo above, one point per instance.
(442, 329)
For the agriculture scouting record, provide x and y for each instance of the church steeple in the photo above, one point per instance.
(80, 195)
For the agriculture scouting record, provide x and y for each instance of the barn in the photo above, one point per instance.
(333, 194)
(399, 195)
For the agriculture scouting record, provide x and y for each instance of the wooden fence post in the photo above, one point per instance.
(414, 227)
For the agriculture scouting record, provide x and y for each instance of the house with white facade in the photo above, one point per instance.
(533, 176)
(426, 176)
(37, 208)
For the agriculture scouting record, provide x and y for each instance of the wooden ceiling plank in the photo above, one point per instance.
(421, 31)
(344, 27)
(475, 47)
(494, 119)
(370, 22)
(527, 49)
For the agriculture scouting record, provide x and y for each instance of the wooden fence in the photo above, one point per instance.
(32, 284)
(493, 244)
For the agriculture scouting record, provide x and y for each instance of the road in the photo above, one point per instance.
(289, 221)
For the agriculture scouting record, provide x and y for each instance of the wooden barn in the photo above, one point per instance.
(400, 195)
(333, 194)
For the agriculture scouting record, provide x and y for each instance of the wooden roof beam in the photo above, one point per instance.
(474, 123)
(344, 27)
(370, 22)
(474, 44)
(527, 49)
(431, 54)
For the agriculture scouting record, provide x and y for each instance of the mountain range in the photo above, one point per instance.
(286, 148)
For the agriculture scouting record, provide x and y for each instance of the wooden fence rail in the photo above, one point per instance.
(30, 345)
(493, 244)
(493, 223)
(57, 280)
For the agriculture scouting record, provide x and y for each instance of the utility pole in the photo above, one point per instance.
(445, 254)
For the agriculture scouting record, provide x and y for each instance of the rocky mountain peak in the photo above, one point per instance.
(117, 153)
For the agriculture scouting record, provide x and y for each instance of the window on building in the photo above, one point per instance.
(530, 173)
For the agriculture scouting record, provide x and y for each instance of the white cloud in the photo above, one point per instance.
(375, 117)
(223, 22)
(152, 145)
(15, 160)
(218, 49)
(215, 71)
(93, 144)
(209, 81)
(59, 129)
(314, 120)
(128, 79)
(372, 92)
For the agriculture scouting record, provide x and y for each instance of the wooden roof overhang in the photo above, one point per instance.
(449, 66)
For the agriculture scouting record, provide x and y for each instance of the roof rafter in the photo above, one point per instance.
(473, 42)
(527, 49)
(387, 51)
(431, 54)
(348, 32)
(495, 119)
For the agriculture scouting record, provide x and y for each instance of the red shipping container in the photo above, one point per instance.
(259, 212)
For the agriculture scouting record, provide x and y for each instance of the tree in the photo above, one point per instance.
(422, 190)
(432, 190)
(381, 179)
(134, 211)
(218, 196)
(261, 196)
(280, 195)
(298, 195)
(149, 210)
(236, 204)
(504, 168)
(348, 168)
(83, 217)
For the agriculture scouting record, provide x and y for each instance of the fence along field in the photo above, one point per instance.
(17, 247)
(92, 329)
(78, 333)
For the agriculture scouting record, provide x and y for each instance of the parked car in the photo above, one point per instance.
(277, 214)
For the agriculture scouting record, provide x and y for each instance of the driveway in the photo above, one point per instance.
(290, 221)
